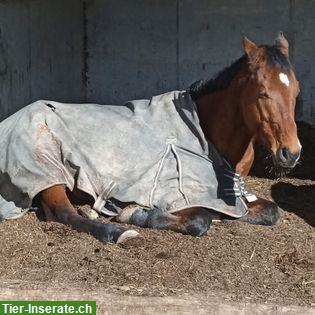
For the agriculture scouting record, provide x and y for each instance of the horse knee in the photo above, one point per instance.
(264, 212)
(159, 219)
(199, 223)
(139, 217)
(270, 214)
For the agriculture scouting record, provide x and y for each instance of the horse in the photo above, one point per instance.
(251, 101)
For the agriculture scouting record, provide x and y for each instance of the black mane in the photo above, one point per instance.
(220, 81)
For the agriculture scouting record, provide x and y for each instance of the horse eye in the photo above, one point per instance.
(263, 94)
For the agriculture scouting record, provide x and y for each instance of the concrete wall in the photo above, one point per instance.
(109, 51)
(41, 53)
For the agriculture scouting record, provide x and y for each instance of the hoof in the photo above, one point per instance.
(131, 238)
(88, 212)
(109, 233)
(125, 215)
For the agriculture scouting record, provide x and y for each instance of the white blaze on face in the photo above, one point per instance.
(284, 79)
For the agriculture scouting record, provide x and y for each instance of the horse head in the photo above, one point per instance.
(269, 101)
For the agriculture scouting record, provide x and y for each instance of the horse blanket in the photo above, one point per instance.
(149, 152)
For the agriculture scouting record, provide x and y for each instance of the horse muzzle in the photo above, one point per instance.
(286, 159)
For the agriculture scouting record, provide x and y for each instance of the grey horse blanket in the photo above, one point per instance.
(149, 152)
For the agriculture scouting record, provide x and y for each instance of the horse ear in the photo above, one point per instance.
(250, 48)
(282, 43)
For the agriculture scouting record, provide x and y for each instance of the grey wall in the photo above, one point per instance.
(109, 51)
(41, 53)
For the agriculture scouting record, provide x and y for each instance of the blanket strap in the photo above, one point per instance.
(103, 196)
(239, 189)
(180, 174)
(158, 173)
(170, 147)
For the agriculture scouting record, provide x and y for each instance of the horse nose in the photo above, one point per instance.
(287, 158)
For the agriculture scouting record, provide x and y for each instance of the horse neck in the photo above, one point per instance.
(222, 122)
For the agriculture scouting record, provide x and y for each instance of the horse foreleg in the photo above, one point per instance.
(262, 212)
(56, 203)
(192, 221)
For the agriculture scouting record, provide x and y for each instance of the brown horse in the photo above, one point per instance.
(251, 101)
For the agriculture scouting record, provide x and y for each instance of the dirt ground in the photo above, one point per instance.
(239, 261)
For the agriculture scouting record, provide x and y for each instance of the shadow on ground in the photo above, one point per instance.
(299, 200)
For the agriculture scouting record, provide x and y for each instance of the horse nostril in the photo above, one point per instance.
(286, 158)
(284, 154)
